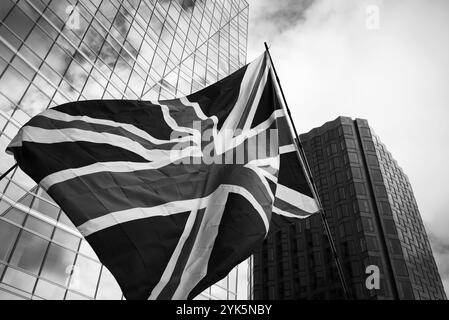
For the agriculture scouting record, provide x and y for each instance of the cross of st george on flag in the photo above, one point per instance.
(172, 194)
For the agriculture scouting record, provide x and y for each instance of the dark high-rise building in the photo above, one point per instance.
(374, 220)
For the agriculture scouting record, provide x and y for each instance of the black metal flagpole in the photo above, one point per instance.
(8, 171)
(303, 160)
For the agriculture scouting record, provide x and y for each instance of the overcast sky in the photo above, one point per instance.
(333, 61)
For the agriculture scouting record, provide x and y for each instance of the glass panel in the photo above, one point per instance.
(232, 280)
(16, 83)
(75, 296)
(27, 200)
(44, 207)
(29, 252)
(9, 296)
(66, 239)
(49, 291)
(8, 234)
(87, 250)
(65, 220)
(85, 276)
(19, 22)
(15, 215)
(58, 264)
(39, 226)
(218, 293)
(19, 279)
(108, 289)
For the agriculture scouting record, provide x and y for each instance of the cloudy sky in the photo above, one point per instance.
(334, 60)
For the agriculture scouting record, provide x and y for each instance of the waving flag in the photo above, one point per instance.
(171, 194)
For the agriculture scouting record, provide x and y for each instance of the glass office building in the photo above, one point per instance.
(374, 220)
(55, 51)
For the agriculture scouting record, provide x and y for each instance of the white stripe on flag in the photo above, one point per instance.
(49, 136)
(113, 166)
(196, 266)
(296, 199)
(166, 276)
(255, 104)
(61, 116)
(118, 217)
(287, 148)
(288, 214)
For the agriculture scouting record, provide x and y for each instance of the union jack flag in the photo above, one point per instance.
(172, 194)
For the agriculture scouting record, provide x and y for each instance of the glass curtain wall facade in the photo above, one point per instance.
(54, 51)
(374, 220)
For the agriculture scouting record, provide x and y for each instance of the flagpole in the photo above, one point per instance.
(8, 171)
(303, 160)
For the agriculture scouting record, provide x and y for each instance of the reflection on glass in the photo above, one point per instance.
(49, 291)
(27, 200)
(74, 296)
(29, 252)
(108, 289)
(19, 279)
(58, 264)
(65, 220)
(85, 276)
(201, 297)
(14, 215)
(223, 283)
(9, 296)
(232, 280)
(39, 226)
(87, 250)
(69, 240)
(218, 293)
(44, 207)
(8, 234)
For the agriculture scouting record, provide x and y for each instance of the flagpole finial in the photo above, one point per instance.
(266, 46)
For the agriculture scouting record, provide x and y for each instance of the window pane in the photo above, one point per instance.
(39, 226)
(218, 293)
(58, 264)
(66, 239)
(74, 296)
(108, 289)
(49, 291)
(29, 252)
(65, 220)
(85, 276)
(45, 207)
(87, 250)
(8, 234)
(19, 279)
(14, 215)
(9, 296)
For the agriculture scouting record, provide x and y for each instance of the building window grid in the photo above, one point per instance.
(60, 31)
(108, 35)
(89, 73)
(80, 242)
(200, 61)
